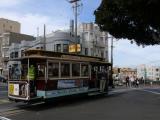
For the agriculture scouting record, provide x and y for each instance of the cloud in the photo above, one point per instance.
(126, 54)
(9, 3)
(30, 22)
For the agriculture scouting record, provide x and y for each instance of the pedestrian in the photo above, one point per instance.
(137, 82)
(151, 83)
(132, 81)
(127, 81)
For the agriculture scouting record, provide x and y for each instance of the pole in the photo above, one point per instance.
(75, 6)
(112, 62)
(145, 75)
(76, 14)
(44, 44)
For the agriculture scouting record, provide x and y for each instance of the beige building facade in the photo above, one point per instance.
(122, 73)
(94, 42)
(149, 72)
(9, 26)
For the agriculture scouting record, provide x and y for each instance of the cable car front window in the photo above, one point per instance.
(15, 72)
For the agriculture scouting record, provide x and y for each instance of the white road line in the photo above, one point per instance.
(157, 93)
(2, 101)
(4, 118)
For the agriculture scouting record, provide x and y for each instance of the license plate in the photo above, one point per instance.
(11, 89)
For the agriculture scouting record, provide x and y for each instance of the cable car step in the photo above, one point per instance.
(96, 93)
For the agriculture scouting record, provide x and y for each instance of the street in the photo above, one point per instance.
(3, 90)
(126, 104)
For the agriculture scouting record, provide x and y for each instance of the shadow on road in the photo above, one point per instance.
(66, 101)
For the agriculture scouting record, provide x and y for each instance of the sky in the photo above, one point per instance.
(56, 14)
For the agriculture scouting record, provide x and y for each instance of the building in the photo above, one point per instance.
(56, 41)
(9, 26)
(131, 72)
(6, 40)
(93, 41)
(122, 73)
(148, 72)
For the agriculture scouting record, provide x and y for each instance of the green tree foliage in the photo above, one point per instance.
(137, 20)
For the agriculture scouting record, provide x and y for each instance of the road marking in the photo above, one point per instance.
(4, 118)
(11, 112)
(2, 101)
(150, 91)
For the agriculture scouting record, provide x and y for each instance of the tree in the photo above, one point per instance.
(137, 20)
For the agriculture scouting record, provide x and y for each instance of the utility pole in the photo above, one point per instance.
(44, 42)
(112, 61)
(76, 14)
(75, 4)
(75, 7)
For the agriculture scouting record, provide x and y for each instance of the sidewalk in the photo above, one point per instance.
(123, 88)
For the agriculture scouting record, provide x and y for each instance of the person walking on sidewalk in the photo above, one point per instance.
(127, 81)
(137, 82)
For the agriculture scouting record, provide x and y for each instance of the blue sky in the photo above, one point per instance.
(56, 15)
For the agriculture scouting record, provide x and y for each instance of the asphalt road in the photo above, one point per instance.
(3, 90)
(137, 104)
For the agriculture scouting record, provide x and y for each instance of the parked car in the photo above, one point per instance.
(3, 79)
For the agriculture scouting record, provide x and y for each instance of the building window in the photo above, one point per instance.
(3, 25)
(58, 47)
(76, 69)
(11, 27)
(86, 51)
(11, 55)
(16, 54)
(102, 54)
(22, 53)
(65, 48)
(85, 36)
(92, 52)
